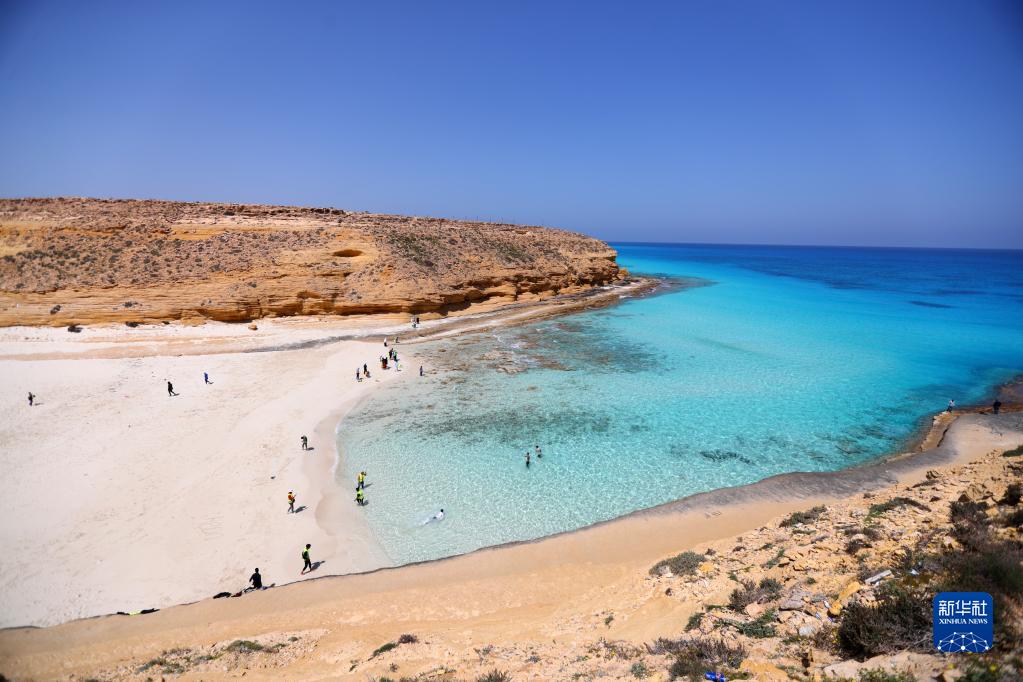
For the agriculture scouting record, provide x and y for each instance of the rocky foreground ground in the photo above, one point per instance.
(69, 261)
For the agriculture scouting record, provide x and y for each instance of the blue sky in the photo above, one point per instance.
(875, 123)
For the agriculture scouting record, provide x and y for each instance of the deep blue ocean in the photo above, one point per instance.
(789, 359)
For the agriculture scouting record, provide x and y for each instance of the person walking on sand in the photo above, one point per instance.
(365, 369)
(358, 377)
(361, 481)
(307, 564)
(305, 443)
(527, 459)
(420, 370)
(360, 497)
(170, 389)
(257, 580)
(291, 501)
(31, 398)
(539, 452)
(206, 378)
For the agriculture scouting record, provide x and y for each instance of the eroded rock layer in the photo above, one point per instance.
(83, 261)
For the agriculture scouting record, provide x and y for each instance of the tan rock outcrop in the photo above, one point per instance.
(81, 261)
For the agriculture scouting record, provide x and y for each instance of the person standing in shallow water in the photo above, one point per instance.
(527, 459)
(951, 405)
(539, 452)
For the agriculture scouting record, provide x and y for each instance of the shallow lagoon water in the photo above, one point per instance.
(794, 359)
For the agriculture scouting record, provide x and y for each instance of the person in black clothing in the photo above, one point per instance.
(365, 369)
(305, 443)
(32, 399)
(305, 557)
(170, 389)
(257, 580)
(997, 405)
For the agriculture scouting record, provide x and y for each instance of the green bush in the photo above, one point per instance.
(244, 646)
(383, 649)
(1015, 452)
(680, 564)
(759, 628)
(1012, 495)
(694, 621)
(805, 516)
(639, 669)
(494, 675)
(894, 503)
(880, 675)
(750, 593)
(900, 620)
(693, 656)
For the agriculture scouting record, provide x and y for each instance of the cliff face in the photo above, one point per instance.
(83, 261)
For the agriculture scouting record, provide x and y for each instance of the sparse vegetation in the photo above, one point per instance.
(901, 620)
(775, 560)
(880, 675)
(383, 649)
(1012, 495)
(495, 675)
(680, 564)
(760, 627)
(639, 670)
(1015, 452)
(894, 503)
(694, 621)
(692, 656)
(751, 593)
(805, 516)
(244, 646)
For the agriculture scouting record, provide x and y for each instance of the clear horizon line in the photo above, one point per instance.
(815, 246)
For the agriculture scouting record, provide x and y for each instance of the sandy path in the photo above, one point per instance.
(120, 497)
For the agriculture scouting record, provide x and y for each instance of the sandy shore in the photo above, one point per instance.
(122, 498)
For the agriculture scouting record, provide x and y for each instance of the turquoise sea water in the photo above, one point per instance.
(794, 359)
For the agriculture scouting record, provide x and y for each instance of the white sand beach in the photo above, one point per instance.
(120, 497)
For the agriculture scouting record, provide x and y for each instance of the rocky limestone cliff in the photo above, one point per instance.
(83, 261)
